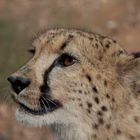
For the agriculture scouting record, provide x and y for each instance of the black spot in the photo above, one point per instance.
(113, 100)
(101, 121)
(105, 83)
(71, 36)
(101, 43)
(89, 105)
(80, 91)
(96, 99)
(85, 93)
(107, 45)
(120, 52)
(118, 131)
(95, 126)
(104, 108)
(89, 111)
(88, 77)
(96, 45)
(94, 89)
(99, 113)
(107, 96)
(114, 41)
(136, 119)
(81, 105)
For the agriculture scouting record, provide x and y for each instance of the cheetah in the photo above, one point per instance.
(81, 85)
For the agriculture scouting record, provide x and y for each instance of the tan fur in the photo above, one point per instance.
(100, 95)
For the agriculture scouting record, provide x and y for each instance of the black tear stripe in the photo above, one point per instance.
(136, 54)
(44, 88)
(46, 102)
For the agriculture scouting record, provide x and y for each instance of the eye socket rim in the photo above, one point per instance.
(31, 50)
(63, 56)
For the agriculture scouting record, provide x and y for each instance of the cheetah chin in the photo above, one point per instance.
(39, 121)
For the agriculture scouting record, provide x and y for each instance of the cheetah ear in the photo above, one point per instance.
(136, 54)
(130, 73)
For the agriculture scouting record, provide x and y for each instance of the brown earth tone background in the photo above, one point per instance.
(20, 20)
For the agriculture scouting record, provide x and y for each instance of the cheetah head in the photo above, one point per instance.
(67, 72)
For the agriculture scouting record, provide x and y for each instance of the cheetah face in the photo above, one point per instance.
(70, 76)
(45, 87)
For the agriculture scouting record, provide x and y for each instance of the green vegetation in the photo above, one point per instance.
(12, 50)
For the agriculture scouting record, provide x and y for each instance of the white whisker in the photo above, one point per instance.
(44, 105)
(52, 102)
(46, 102)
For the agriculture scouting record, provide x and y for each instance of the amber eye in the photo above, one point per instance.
(66, 60)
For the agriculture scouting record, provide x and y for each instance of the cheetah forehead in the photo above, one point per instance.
(62, 35)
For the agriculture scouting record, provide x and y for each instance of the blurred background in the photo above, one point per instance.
(20, 20)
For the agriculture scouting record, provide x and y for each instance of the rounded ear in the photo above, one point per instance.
(129, 73)
(136, 54)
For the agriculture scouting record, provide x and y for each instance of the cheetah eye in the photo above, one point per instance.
(31, 50)
(66, 60)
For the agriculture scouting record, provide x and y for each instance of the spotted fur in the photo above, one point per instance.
(99, 95)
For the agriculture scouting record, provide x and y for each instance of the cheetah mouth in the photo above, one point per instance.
(24, 108)
(44, 109)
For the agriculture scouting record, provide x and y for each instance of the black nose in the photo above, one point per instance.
(18, 83)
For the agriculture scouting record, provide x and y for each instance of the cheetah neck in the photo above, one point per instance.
(67, 132)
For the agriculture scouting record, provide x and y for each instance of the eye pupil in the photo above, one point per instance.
(67, 60)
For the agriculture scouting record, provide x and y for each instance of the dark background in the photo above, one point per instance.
(20, 20)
